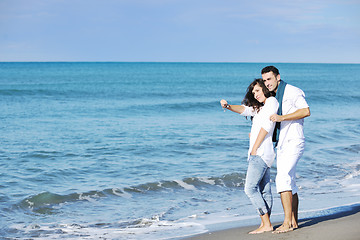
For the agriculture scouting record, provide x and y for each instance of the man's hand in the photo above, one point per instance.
(298, 114)
(276, 118)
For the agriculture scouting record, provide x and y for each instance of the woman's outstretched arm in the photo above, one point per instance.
(235, 108)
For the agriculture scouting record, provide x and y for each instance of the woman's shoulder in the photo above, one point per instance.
(271, 100)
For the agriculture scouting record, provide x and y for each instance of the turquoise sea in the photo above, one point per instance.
(144, 150)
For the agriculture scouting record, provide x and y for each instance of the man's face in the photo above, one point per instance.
(271, 81)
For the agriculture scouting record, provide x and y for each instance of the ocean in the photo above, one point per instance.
(144, 150)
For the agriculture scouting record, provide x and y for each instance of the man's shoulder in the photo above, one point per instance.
(292, 90)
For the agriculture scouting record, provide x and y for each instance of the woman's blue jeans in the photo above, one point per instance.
(257, 185)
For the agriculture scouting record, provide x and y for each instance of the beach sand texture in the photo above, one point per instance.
(343, 226)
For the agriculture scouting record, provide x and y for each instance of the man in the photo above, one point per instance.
(290, 142)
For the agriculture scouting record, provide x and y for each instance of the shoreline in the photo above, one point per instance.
(342, 225)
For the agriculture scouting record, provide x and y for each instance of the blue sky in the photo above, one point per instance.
(325, 31)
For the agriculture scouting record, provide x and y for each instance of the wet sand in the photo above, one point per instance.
(343, 226)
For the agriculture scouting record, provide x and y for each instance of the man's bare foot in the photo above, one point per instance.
(262, 229)
(283, 229)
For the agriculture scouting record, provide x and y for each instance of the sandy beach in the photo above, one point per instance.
(344, 226)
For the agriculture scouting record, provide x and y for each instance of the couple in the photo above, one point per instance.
(277, 110)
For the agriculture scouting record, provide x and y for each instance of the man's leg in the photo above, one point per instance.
(290, 205)
(286, 201)
(295, 208)
(287, 160)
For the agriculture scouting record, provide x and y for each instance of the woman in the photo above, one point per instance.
(260, 104)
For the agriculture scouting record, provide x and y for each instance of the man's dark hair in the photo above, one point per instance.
(270, 69)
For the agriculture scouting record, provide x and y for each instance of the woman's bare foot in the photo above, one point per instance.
(262, 229)
(295, 226)
(283, 229)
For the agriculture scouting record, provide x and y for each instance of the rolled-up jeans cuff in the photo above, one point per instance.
(262, 211)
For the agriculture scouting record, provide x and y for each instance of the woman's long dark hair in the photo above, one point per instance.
(249, 99)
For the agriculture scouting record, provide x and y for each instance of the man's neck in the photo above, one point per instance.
(277, 86)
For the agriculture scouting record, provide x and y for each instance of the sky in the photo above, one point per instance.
(311, 31)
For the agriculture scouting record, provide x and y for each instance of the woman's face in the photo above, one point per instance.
(258, 93)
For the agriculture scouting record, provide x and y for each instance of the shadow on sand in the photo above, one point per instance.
(350, 210)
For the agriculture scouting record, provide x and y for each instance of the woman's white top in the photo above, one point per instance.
(260, 120)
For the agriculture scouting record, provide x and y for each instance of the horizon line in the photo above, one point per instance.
(177, 62)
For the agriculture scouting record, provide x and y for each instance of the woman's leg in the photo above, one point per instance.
(257, 169)
(265, 189)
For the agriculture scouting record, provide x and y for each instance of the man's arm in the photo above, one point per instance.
(298, 114)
